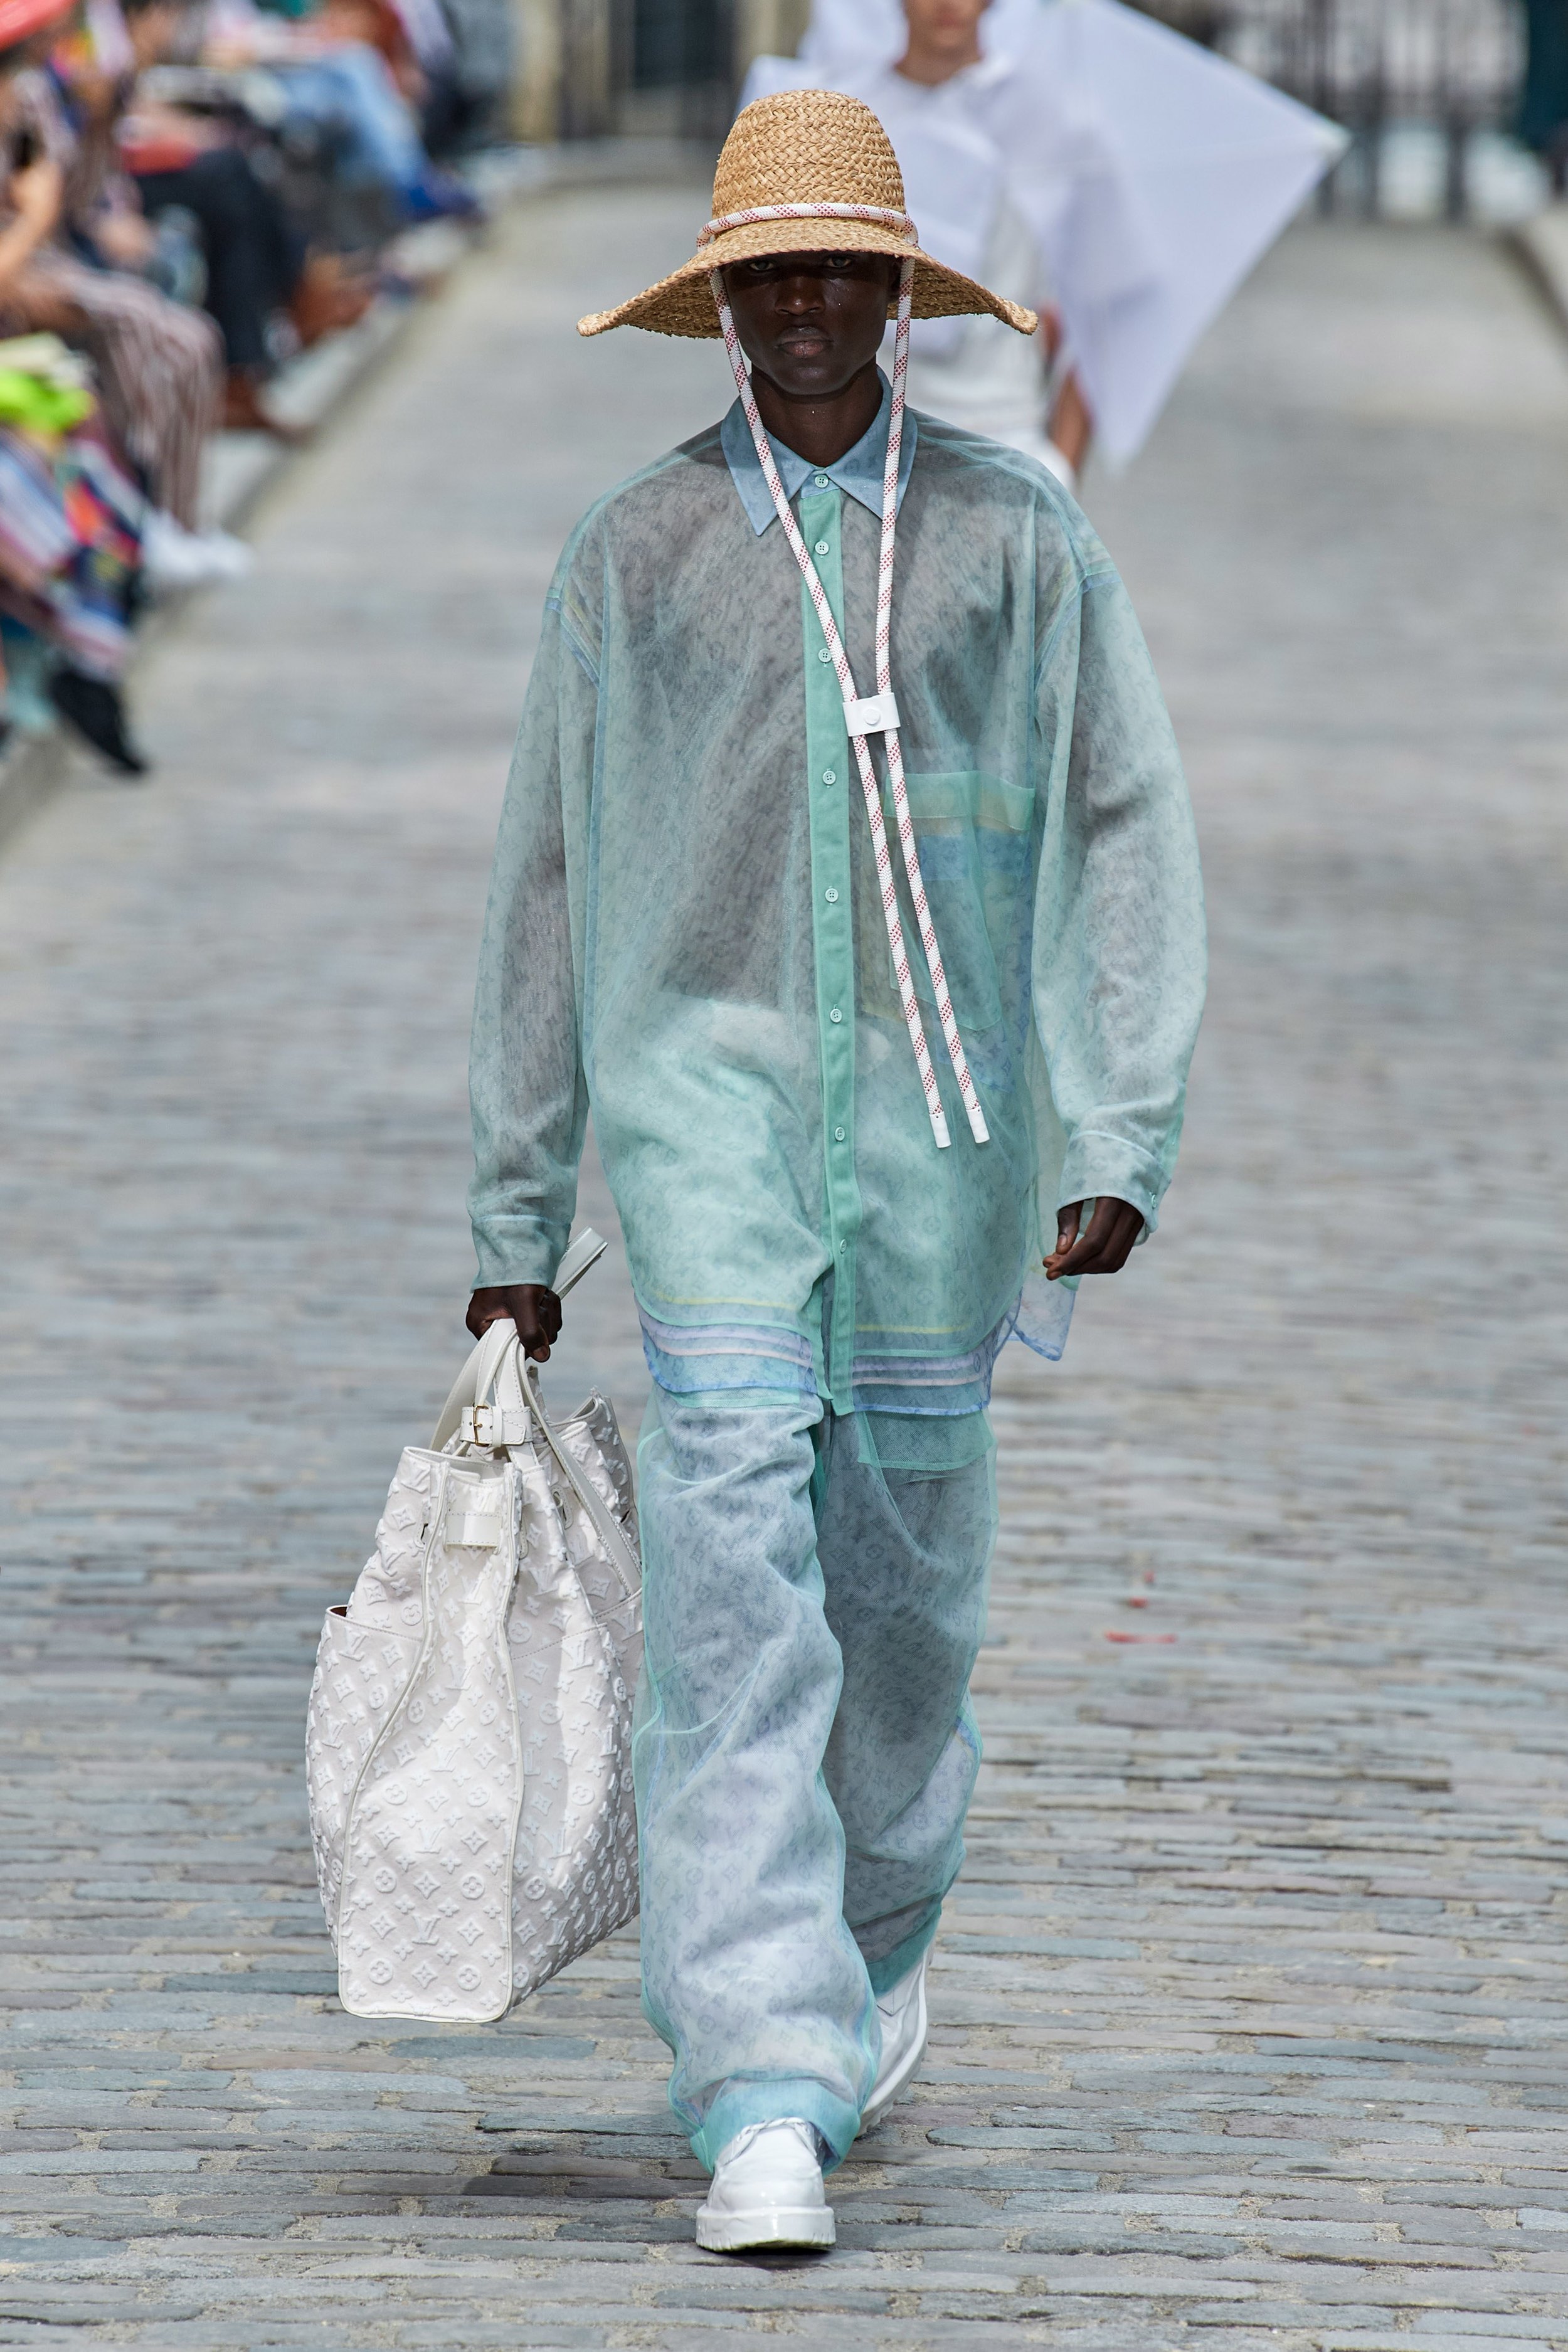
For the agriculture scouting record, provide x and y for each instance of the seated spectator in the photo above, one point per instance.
(158, 366)
(71, 529)
(415, 42)
(470, 87)
(334, 70)
(449, 116)
(256, 262)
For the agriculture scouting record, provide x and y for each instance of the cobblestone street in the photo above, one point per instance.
(1248, 2012)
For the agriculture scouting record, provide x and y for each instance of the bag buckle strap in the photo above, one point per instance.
(492, 1425)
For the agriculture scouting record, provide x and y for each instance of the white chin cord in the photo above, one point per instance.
(875, 714)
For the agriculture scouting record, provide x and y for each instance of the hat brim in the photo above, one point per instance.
(682, 303)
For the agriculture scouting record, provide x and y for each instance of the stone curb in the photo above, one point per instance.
(1541, 245)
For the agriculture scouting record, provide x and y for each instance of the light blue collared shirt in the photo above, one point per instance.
(685, 925)
(858, 473)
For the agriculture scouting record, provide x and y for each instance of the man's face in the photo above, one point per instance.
(810, 321)
(944, 24)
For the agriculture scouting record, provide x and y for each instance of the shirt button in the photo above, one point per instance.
(823, 548)
(831, 896)
(839, 1135)
(836, 1015)
(843, 1249)
(830, 775)
(822, 481)
(823, 653)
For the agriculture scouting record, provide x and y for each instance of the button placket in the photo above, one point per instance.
(831, 817)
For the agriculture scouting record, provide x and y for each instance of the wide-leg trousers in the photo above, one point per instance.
(804, 1750)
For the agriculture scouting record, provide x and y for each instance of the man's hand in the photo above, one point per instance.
(535, 1310)
(1102, 1247)
(125, 239)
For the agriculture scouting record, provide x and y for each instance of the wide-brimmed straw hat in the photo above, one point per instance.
(805, 171)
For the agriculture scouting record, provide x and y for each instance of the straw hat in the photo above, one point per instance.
(805, 171)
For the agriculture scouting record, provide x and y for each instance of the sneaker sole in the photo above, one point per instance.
(735, 2233)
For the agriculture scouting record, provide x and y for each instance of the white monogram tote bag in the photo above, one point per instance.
(468, 1739)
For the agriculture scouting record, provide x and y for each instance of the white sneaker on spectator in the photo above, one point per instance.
(902, 2009)
(174, 557)
(766, 2190)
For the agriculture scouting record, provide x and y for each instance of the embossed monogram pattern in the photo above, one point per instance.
(469, 1742)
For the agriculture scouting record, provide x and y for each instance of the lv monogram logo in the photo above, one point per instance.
(484, 1689)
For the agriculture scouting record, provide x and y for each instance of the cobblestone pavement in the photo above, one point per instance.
(1248, 2010)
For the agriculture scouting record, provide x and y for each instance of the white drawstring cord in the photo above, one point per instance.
(881, 216)
(840, 659)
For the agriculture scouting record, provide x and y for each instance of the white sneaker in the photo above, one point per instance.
(902, 2009)
(174, 557)
(766, 2190)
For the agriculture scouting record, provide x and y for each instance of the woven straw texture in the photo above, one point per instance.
(803, 147)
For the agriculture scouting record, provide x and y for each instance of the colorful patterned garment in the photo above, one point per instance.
(159, 367)
(70, 546)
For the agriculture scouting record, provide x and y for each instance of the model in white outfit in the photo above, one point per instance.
(936, 102)
(984, 377)
(1086, 161)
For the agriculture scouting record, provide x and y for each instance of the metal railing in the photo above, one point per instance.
(1427, 88)
(1451, 69)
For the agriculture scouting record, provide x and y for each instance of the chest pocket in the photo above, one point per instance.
(972, 833)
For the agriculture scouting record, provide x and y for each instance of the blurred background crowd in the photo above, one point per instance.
(196, 192)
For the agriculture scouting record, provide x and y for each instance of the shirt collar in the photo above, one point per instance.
(994, 69)
(858, 473)
(988, 73)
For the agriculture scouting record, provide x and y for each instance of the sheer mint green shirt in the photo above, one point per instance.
(685, 934)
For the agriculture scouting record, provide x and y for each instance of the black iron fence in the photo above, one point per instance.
(679, 66)
(1429, 89)
(1386, 70)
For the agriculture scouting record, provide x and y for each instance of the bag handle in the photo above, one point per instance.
(476, 1378)
(518, 1377)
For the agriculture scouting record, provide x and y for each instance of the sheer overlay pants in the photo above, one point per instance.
(804, 1750)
